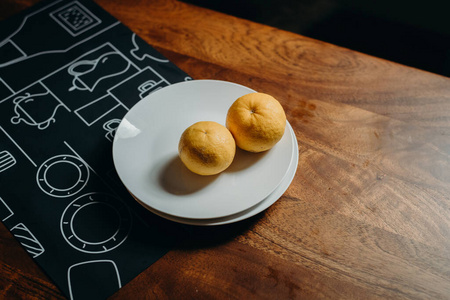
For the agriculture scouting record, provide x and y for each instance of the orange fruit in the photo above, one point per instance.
(257, 122)
(206, 148)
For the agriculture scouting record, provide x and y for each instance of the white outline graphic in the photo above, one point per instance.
(25, 20)
(65, 160)
(147, 86)
(141, 58)
(147, 68)
(89, 262)
(7, 160)
(86, 107)
(11, 213)
(28, 240)
(109, 91)
(110, 128)
(145, 90)
(65, 66)
(102, 59)
(86, 201)
(61, 17)
(24, 116)
(25, 56)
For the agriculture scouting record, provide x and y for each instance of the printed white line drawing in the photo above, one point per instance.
(72, 175)
(84, 112)
(17, 145)
(54, 96)
(91, 72)
(105, 265)
(23, 55)
(75, 18)
(37, 109)
(28, 240)
(124, 56)
(5, 210)
(111, 127)
(65, 67)
(104, 101)
(24, 115)
(146, 87)
(142, 56)
(7, 160)
(26, 18)
(8, 40)
(151, 81)
(87, 230)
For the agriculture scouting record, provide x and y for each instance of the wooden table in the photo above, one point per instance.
(367, 215)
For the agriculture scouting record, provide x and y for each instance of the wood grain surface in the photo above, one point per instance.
(367, 215)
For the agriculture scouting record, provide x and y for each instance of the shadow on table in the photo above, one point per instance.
(197, 237)
(175, 235)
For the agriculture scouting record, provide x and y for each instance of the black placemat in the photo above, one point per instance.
(69, 72)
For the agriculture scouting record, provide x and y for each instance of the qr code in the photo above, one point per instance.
(75, 18)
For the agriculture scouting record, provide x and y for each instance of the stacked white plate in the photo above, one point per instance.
(145, 153)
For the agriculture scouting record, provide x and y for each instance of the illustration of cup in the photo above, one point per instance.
(111, 128)
(146, 87)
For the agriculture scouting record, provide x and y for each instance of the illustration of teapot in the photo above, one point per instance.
(35, 110)
(88, 73)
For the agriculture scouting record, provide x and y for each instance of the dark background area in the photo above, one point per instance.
(413, 33)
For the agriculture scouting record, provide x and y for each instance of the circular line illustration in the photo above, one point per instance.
(96, 223)
(67, 164)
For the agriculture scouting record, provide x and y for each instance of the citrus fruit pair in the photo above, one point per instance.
(255, 122)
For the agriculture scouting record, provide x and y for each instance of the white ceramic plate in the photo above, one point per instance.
(259, 207)
(145, 153)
